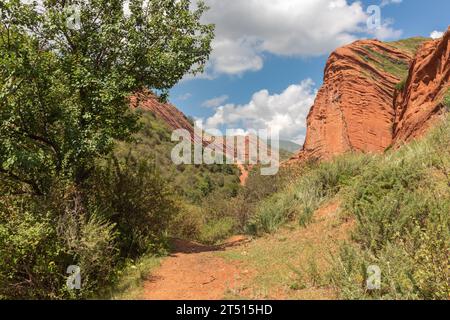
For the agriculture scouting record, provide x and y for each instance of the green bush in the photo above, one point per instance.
(216, 230)
(40, 237)
(302, 197)
(401, 206)
(188, 222)
(401, 85)
(128, 215)
(31, 263)
(133, 196)
(377, 201)
(447, 99)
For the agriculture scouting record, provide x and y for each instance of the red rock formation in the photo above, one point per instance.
(175, 119)
(167, 112)
(358, 108)
(419, 105)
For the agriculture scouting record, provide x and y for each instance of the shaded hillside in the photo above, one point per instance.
(193, 182)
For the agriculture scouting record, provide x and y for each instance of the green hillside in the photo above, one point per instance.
(191, 182)
(398, 204)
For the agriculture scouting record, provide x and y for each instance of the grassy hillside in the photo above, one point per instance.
(398, 204)
(410, 45)
(191, 182)
(201, 191)
(386, 63)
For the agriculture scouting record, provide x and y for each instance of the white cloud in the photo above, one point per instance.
(385, 31)
(185, 96)
(285, 112)
(215, 102)
(436, 34)
(388, 2)
(246, 30)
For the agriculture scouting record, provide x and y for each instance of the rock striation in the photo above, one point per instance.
(377, 94)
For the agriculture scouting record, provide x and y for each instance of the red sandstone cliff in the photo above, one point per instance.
(419, 104)
(360, 108)
(166, 112)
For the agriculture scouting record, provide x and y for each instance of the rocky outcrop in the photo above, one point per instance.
(168, 113)
(375, 94)
(419, 104)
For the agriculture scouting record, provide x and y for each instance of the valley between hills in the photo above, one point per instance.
(370, 184)
(97, 202)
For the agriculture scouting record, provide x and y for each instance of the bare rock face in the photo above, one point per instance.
(167, 112)
(353, 110)
(419, 104)
(375, 94)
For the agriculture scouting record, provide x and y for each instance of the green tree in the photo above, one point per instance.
(65, 87)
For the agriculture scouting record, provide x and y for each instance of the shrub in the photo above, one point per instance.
(405, 231)
(31, 263)
(377, 198)
(40, 237)
(91, 241)
(401, 207)
(129, 214)
(447, 99)
(216, 230)
(300, 198)
(132, 195)
(401, 85)
(188, 222)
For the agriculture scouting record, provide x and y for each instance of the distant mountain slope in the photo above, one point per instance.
(175, 119)
(192, 182)
(289, 146)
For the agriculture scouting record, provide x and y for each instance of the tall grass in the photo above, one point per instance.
(400, 202)
(447, 99)
(401, 205)
(300, 198)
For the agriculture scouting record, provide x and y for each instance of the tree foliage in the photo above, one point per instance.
(64, 88)
(64, 102)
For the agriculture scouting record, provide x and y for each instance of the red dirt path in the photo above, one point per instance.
(193, 272)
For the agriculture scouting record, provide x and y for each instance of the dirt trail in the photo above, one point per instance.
(194, 272)
(260, 268)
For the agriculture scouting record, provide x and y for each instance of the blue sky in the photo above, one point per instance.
(269, 56)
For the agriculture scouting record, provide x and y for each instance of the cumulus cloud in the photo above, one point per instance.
(385, 31)
(285, 112)
(215, 102)
(246, 30)
(436, 34)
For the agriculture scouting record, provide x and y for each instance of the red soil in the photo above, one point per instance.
(194, 272)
